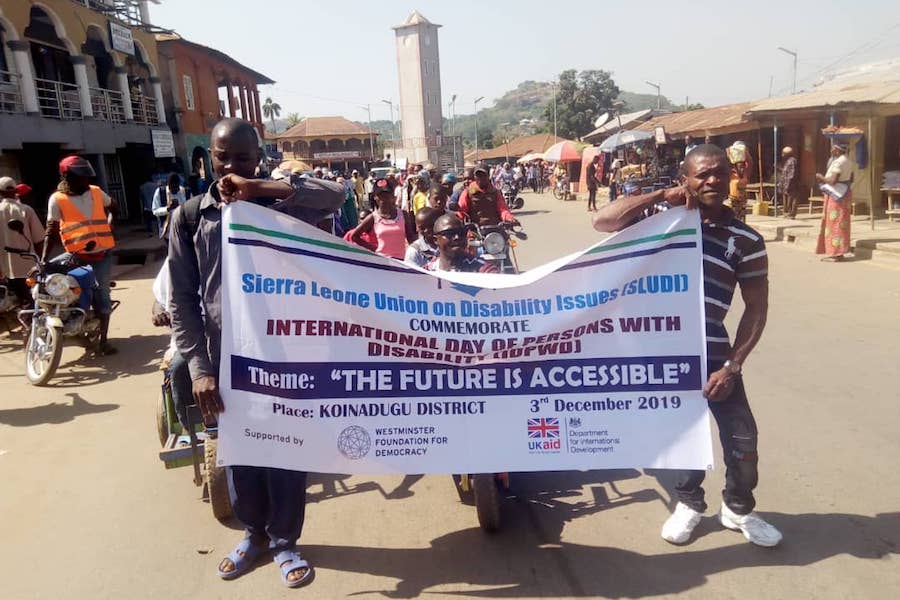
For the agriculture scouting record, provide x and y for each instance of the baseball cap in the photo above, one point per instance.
(23, 189)
(77, 165)
(448, 178)
(479, 168)
(7, 184)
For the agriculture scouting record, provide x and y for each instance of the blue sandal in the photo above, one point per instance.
(289, 561)
(242, 562)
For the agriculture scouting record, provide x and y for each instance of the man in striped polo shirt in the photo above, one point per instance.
(733, 255)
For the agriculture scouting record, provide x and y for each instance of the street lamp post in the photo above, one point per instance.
(368, 108)
(393, 139)
(477, 100)
(453, 129)
(794, 54)
(555, 88)
(656, 85)
(505, 127)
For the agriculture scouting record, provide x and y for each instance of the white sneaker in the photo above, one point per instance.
(755, 529)
(678, 527)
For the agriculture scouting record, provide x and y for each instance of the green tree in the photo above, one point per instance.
(691, 106)
(580, 98)
(485, 138)
(270, 111)
(293, 119)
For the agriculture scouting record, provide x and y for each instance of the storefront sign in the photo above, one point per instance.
(659, 134)
(336, 155)
(163, 143)
(121, 38)
(335, 359)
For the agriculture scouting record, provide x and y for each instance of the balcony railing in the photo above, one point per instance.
(58, 100)
(144, 109)
(108, 105)
(10, 95)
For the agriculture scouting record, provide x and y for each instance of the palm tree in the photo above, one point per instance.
(270, 111)
(293, 119)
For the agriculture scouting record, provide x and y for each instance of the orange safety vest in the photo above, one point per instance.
(76, 231)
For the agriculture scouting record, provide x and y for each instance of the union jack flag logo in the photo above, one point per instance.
(543, 428)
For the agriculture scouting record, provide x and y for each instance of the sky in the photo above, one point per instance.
(336, 58)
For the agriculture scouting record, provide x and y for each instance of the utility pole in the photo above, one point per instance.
(393, 139)
(505, 127)
(555, 88)
(794, 54)
(656, 85)
(453, 129)
(477, 100)
(368, 108)
(771, 81)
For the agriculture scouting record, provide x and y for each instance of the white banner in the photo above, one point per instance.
(338, 360)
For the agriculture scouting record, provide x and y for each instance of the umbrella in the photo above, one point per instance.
(530, 157)
(564, 151)
(623, 138)
(294, 165)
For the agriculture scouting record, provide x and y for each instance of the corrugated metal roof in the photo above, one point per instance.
(874, 83)
(701, 120)
(521, 146)
(612, 125)
(322, 127)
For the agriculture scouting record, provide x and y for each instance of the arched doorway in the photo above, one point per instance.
(143, 101)
(54, 73)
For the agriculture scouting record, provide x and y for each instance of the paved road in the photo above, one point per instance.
(89, 512)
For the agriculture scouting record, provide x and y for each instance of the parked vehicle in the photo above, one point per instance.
(62, 289)
(511, 196)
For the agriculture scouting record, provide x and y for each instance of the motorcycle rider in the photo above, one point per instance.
(12, 266)
(504, 175)
(482, 203)
(80, 214)
(451, 239)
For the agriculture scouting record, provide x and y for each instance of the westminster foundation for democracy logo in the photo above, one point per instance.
(354, 442)
(543, 435)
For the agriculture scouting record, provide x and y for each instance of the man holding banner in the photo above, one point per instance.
(269, 502)
(733, 255)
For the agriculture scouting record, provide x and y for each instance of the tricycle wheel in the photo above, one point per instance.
(216, 482)
(487, 501)
(466, 496)
(162, 419)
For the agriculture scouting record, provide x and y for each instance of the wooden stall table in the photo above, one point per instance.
(893, 200)
(765, 192)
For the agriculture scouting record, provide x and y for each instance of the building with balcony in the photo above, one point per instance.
(333, 142)
(200, 86)
(81, 76)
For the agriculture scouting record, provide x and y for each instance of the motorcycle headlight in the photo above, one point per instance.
(494, 243)
(58, 285)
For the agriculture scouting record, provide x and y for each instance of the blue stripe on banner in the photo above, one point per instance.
(628, 255)
(313, 381)
(341, 259)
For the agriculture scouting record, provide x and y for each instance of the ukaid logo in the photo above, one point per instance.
(543, 435)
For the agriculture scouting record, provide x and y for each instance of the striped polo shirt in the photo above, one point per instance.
(733, 252)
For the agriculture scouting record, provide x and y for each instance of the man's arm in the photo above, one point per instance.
(618, 215)
(184, 306)
(503, 209)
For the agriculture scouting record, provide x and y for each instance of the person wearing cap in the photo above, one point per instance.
(482, 203)
(467, 178)
(269, 503)
(386, 222)
(80, 215)
(787, 181)
(448, 182)
(15, 268)
(834, 233)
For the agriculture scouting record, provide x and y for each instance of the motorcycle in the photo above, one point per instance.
(497, 243)
(196, 445)
(486, 492)
(561, 188)
(62, 289)
(511, 196)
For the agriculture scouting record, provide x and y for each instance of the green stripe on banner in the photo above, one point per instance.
(651, 238)
(297, 238)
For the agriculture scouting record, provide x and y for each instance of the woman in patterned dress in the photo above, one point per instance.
(834, 235)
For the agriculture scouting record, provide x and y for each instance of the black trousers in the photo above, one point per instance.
(270, 503)
(738, 434)
(592, 197)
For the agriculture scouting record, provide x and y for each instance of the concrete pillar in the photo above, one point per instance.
(245, 114)
(145, 12)
(259, 117)
(22, 55)
(230, 92)
(157, 93)
(79, 65)
(122, 77)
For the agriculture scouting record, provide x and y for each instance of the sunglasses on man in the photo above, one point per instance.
(453, 232)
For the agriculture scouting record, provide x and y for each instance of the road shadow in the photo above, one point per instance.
(54, 413)
(514, 563)
(335, 486)
(525, 213)
(138, 355)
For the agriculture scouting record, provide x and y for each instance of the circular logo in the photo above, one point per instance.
(354, 442)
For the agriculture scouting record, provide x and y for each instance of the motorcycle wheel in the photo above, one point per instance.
(557, 193)
(518, 203)
(216, 482)
(42, 353)
(487, 501)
